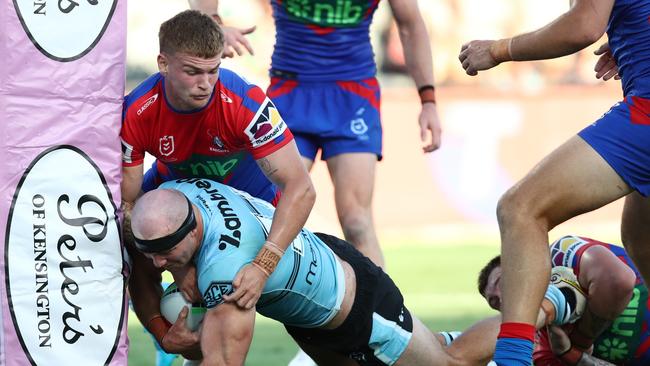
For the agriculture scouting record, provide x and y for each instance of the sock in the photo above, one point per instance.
(515, 345)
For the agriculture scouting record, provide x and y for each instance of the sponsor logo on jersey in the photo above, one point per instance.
(147, 103)
(65, 30)
(619, 342)
(213, 296)
(217, 144)
(63, 267)
(166, 146)
(266, 125)
(226, 98)
(327, 13)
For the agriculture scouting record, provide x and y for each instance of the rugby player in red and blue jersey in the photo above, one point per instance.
(202, 121)
(607, 160)
(323, 82)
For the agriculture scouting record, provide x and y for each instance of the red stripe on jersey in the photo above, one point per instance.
(640, 111)
(368, 93)
(321, 31)
(256, 94)
(643, 347)
(280, 87)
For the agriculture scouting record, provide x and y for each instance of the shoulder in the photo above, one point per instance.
(143, 96)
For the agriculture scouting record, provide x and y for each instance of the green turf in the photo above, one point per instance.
(438, 283)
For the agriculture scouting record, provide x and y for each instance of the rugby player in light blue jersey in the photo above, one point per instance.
(339, 307)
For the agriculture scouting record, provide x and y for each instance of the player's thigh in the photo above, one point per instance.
(324, 357)
(423, 349)
(353, 177)
(571, 180)
(635, 229)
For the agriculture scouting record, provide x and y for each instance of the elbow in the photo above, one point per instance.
(308, 194)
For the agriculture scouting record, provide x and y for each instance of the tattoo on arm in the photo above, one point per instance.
(266, 167)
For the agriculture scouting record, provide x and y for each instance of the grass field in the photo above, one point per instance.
(438, 283)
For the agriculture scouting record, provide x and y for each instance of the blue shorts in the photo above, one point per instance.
(337, 117)
(622, 137)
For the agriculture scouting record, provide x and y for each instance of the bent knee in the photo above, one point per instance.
(356, 226)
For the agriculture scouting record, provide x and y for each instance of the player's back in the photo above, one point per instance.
(307, 286)
(323, 40)
(629, 39)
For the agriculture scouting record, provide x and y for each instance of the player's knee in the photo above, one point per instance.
(355, 226)
(510, 208)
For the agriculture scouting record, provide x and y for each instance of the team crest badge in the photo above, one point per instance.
(166, 147)
(213, 296)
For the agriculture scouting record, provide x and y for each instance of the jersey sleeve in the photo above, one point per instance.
(215, 281)
(131, 137)
(264, 131)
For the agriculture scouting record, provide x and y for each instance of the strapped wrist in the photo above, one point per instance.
(158, 327)
(572, 356)
(268, 258)
(501, 50)
(427, 94)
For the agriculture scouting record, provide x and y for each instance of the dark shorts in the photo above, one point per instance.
(378, 328)
(622, 137)
(336, 117)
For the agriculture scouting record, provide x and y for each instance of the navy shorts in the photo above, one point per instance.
(622, 137)
(336, 117)
(379, 326)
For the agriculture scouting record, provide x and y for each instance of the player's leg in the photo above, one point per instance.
(572, 180)
(635, 231)
(324, 357)
(353, 177)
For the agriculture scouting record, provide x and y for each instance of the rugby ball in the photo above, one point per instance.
(172, 303)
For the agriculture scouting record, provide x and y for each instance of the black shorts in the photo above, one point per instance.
(379, 326)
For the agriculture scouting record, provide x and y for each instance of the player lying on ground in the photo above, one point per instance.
(615, 322)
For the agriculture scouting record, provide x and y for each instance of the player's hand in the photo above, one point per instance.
(180, 339)
(476, 56)
(234, 39)
(606, 67)
(430, 131)
(248, 285)
(559, 339)
(185, 279)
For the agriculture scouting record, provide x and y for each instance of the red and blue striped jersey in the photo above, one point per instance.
(220, 141)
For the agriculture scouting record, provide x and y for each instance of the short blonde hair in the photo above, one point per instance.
(191, 32)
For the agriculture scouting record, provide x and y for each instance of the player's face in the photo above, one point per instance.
(493, 289)
(178, 256)
(189, 80)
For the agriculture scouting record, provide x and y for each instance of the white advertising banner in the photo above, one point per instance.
(62, 279)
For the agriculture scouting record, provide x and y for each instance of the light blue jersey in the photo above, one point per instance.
(307, 287)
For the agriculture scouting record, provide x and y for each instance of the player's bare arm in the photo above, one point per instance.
(285, 169)
(235, 38)
(226, 335)
(417, 54)
(609, 283)
(582, 25)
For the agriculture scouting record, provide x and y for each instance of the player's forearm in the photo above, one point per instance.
(144, 287)
(292, 211)
(205, 6)
(569, 33)
(417, 51)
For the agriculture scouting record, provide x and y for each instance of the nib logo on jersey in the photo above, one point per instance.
(329, 13)
(65, 30)
(266, 125)
(63, 269)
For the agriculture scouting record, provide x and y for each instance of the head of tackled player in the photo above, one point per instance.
(191, 45)
(169, 238)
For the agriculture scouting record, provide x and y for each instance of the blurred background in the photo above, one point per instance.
(432, 210)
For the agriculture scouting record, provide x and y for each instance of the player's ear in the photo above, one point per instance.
(163, 64)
